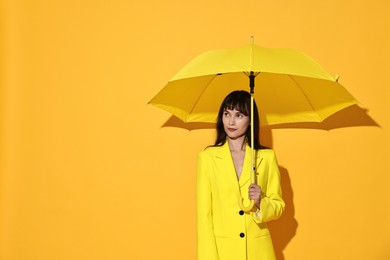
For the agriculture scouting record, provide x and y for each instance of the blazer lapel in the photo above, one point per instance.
(225, 162)
(247, 168)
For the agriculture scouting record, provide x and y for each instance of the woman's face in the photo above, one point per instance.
(235, 123)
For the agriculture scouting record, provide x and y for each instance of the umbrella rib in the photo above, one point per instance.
(204, 89)
(303, 92)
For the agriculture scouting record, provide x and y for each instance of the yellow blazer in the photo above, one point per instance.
(224, 232)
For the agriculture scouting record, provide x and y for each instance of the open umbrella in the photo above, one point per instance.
(290, 87)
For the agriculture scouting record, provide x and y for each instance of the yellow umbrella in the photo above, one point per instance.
(290, 87)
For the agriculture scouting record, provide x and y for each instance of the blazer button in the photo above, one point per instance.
(242, 235)
(241, 212)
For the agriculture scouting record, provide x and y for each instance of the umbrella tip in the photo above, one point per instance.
(337, 78)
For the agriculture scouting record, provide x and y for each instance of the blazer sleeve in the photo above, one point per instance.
(271, 204)
(206, 245)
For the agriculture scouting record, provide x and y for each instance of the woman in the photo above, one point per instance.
(224, 231)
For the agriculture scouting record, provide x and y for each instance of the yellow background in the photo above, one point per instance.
(89, 171)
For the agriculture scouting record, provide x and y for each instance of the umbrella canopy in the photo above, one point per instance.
(290, 86)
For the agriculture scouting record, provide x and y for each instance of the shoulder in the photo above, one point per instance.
(266, 153)
(210, 151)
(208, 156)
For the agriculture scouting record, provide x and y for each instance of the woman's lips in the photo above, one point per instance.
(231, 129)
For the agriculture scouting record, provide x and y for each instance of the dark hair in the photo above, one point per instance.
(241, 101)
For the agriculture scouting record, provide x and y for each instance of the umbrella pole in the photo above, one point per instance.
(252, 176)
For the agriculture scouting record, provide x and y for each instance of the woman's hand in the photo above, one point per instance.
(254, 193)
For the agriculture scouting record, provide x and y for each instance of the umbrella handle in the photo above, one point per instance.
(246, 209)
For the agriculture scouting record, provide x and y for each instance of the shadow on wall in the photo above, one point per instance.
(284, 229)
(349, 117)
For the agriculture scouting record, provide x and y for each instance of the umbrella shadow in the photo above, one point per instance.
(177, 123)
(351, 116)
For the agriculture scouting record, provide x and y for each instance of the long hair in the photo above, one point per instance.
(241, 101)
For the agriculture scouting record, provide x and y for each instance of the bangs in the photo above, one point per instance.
(239, 105)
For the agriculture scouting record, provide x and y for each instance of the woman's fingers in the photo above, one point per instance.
(254, 191)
